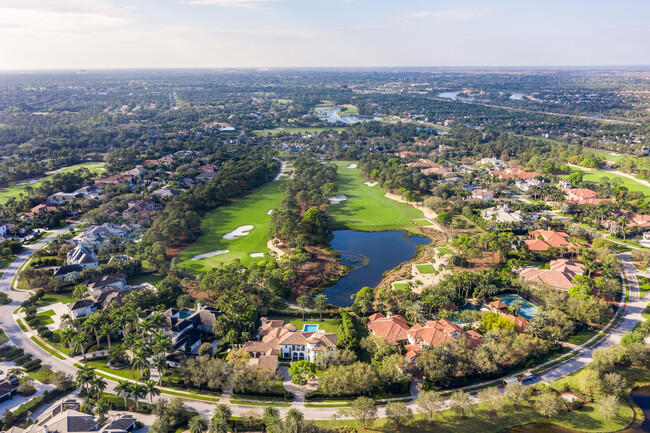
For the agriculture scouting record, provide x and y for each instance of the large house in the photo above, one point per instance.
(482, 194)
(511, 173)
(62, 419)
(396, 331)
(83, 256)
(542, 240)
(560, 275)
(64, 197)
(274, 338)
(186, 327)
(141, 209)
(118, 281)
(504, 214)
(97, 235)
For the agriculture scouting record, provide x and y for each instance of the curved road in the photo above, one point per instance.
(631, 315)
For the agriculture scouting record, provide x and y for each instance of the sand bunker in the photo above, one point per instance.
(270, 212)
(371, 183)
(238, 232)
(338, 198)
(351, 166)
(212, 254)
(256, 254)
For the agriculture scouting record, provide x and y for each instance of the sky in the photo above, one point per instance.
(99, 34)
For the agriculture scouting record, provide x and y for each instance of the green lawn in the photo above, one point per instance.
(14, 190)
(366, 208)
(445, 250)
(126, 373)
(45, 318)
(53, 298)
(482, 421)
(295, 130)
(349, 111)
(249, 210)
(327, 325)
(425, 269)
(582, 336)
(144, 278)
(596, 175)
(3, 337)
(401, 286)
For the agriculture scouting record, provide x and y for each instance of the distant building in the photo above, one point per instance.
(560, 275)
(186, 327)
(564, 184)
(482, 194)
(64, 197)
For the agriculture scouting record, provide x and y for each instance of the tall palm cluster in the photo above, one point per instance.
(293, 421)
(129, 337)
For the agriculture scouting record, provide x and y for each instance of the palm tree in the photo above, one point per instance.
(139, 361)
(106, 330)
(320, 301)
(120, 322)
(137, 392)
(413, 312)
(303, 302)
(67, 337)
(97, 385)
(78, 343)
(123, 389)
(151, 389)
(223, 412)
(160, 363)
(198, 425)
(516, 305)
(101, 409)
(623, 222)
(270, 414)
(92, 326)
(162, 343)
(218, 426)
(87, 405)
(85, 376)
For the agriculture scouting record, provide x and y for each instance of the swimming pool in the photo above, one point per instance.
(468, 306)
(527, 311)
(310, 328)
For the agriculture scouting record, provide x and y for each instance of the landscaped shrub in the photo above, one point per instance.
(4, 298)
(47, 334)
(14, 353)
(23, 359)
(34, 364)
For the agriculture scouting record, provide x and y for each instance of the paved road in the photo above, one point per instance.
(632, 314)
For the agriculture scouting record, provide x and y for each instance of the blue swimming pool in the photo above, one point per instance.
(310, 328)
(527, 311)
(466, 307)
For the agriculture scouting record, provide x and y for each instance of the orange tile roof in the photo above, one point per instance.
(393, 328)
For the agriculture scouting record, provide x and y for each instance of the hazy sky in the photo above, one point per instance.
(55, 34)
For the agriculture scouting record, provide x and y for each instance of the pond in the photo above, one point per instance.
(517, 96)
(640, 396)
(333, 116)
(370, 254)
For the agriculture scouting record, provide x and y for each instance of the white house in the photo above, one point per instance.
(83, 256)
(564, 184)
(82, 308)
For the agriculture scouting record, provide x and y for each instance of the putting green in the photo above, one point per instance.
(425, 269)
(251, 210)
(368, 209)
(14, 190)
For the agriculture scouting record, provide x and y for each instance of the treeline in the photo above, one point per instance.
(303, 219)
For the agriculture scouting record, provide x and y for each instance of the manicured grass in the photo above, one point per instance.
(482, 421)
(251, 403)
(445, 250)
(46, 348)
(295, 130)
(424, 222)
(3, 337)
(21, 325)
(14, 190)
(145, 278)
(349, 110)
(249, 210)
(401, 286)
(126, 373)
(53, 298)
(327, 325)
(582, 336)
(45, 318)
(595, 176)
(425, 269)
(367, 208)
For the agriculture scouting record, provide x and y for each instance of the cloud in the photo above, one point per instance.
(444, 15)
(250, 4)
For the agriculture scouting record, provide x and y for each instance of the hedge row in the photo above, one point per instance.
(286, 396)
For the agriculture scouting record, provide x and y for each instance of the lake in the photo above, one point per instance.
(370, 254)
(517, 96)
(454, 97)
(641, 397)
(333, 116)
